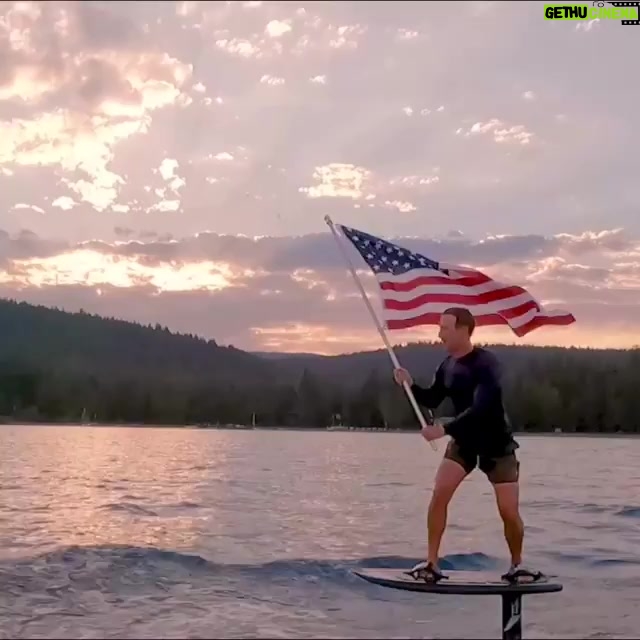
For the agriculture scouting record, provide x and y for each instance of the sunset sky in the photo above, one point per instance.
(172, 162)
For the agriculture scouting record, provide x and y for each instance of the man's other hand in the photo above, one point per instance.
(401, 376)
(433, 432)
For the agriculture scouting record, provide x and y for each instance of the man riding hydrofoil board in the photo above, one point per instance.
(480, 436)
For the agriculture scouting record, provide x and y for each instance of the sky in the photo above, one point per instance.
(172, 162)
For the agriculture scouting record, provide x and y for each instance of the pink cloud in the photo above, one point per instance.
(287, 291)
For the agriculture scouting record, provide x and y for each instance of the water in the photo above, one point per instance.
(175, 533)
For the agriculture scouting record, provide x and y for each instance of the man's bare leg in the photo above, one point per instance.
(448, 478)
(507, 490)
(507, 498)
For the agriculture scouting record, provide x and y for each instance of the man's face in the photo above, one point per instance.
(451, 337)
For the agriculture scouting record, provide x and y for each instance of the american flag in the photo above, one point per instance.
(415, 290)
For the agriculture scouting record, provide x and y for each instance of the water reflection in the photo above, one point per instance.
(280, 517)
(108, 486)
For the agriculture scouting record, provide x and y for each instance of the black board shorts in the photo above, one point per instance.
(498, 470)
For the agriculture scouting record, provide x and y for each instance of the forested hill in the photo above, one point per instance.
(83, 343)
(59, 366)
(422, 358)
(546, 388)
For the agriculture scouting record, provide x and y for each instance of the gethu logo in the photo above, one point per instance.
(627, 12)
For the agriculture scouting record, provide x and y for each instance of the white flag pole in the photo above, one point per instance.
(381, 331)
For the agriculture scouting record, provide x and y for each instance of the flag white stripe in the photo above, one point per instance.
(514, 322)
(426, 273)
(441, 289)
(478, 309)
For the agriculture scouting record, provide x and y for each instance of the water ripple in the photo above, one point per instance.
(256, 534)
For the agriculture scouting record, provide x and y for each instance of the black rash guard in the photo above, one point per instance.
(473, 382)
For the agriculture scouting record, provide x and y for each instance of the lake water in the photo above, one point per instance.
(174, 533)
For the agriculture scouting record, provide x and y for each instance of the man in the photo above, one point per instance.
(480, 436)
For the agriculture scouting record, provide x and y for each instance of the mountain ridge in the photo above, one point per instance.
(58, 366)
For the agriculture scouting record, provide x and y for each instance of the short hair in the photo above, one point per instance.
(464, 318)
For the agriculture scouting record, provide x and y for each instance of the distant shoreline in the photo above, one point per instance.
(519, 434)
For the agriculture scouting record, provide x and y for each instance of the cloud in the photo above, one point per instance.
(557, 267)
(277, 28)
(80, 96)
(97, 95)
(239, 47)
(27, 245)
(318, 250)
(272, 81)
(32, 207)
(338, 180)
(273, 291)
(500, 131)
(182, 155)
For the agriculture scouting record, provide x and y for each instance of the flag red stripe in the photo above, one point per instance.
(454, 298)
(425, 281)
(485, 320)
(504, 316)
(541, 321)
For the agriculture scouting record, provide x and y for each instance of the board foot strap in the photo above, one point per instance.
(426, 571)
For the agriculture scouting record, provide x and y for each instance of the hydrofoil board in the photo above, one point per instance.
(457, 582)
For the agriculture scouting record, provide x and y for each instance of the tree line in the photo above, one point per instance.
(542, 394)
(57, 366)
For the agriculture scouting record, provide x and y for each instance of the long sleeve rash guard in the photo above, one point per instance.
(473, 383)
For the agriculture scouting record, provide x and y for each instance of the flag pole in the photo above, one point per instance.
(380, 328)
